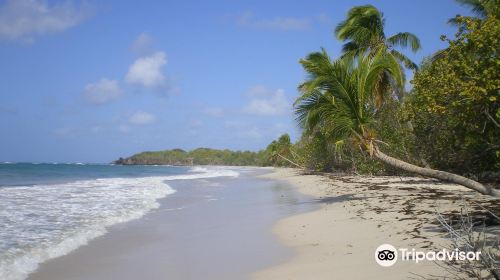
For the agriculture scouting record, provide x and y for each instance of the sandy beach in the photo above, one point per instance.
(359, 213)
(274, 224)
(214, 228)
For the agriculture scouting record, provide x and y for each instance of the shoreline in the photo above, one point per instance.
(359, 213)
(210, 228)
(278, 223)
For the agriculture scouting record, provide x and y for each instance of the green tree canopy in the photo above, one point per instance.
(363, 29)
(454, 107)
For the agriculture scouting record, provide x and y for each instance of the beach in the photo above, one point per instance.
(262, 140)
(359, 213)
(210, 228)
(267, 223)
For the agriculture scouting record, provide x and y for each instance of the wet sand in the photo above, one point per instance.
(216, 228)
(274, 224)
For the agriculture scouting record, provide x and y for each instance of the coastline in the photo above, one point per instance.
(359, 213)
(278, 223)
(210, 228)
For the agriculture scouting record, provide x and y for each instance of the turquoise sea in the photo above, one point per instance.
(48, 210)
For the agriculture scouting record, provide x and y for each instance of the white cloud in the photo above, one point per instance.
(146, 71)
(142, 44)
(243, 130)
(266, 102)
(253, 132)
(141, 117)
(27, 19)
(102, 92)
(277, 23)
(233, 124)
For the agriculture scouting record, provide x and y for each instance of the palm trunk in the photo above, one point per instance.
(442, 175)
(290, 161)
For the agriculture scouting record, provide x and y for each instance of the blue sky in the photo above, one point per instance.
(95, 80)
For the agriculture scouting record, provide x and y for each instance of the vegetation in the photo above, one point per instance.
(364, 30)
(354, 110)
(280, 152)
(344, 101)
(200, 156)
(454, 106)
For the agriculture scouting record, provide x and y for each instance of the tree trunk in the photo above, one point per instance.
(289, 161)
(442, 175)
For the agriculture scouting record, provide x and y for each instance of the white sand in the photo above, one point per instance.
(359, 214)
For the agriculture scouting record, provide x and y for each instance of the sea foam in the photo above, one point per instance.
(42, 222)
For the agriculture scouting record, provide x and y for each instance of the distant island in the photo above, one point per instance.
(200, 156)
(277, 153)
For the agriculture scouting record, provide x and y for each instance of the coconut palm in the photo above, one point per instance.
(480, 8)
(339, 98)
(281, 149)
(363, 29)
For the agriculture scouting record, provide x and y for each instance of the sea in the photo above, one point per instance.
(50, 209)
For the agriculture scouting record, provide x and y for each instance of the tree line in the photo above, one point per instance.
(357, 116)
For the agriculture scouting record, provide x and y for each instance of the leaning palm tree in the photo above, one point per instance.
(339, 98)
(363, 29)
(281, 149)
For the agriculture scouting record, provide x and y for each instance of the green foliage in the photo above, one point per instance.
(322, 154)
(200, 156)
(451, 120)
(481, 8)
(280, 152)
(395, 135)
(455, 103)
(339, 97)
(315, 152)
(352, 106)
(363, 29)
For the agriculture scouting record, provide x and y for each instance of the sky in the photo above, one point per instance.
(91, 81)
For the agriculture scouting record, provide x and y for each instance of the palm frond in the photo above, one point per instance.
(363, 25)
(476, 6)
(339, 97)
(403, 39)
(405, 60)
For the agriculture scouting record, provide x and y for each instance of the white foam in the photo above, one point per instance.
(42, 222)
(46, 221)
(199, 169)
(205, 172)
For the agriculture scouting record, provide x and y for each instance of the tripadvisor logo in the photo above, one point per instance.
(387, 255)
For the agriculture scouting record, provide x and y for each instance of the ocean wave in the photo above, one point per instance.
(198, 169)
(42, 222)
(206, 172)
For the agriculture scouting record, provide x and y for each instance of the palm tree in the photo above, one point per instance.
(364, 30)
(339, 98)
(480, 8)
(282, 148)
